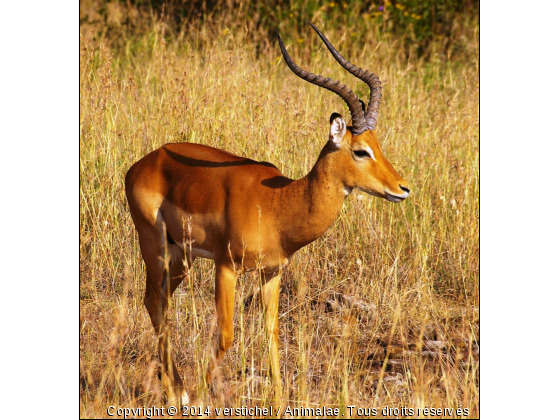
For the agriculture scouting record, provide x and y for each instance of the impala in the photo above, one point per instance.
(246, 215)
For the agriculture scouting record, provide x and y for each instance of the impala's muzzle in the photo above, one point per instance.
(397, 198)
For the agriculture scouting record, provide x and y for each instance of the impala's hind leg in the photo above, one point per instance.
(226, 278)
(178, 268)
(152, 245)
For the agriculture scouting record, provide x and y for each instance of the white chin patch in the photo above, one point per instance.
(393, 198)
(347, 191)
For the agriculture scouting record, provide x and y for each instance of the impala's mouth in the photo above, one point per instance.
(394, 198)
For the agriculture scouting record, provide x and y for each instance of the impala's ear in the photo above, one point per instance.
(338, 129)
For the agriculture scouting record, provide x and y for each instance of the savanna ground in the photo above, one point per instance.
(380, 311)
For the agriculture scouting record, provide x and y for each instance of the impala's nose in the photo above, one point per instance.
(405, 189)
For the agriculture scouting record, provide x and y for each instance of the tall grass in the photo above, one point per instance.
(380, 311)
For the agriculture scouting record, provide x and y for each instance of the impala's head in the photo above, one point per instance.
(363, 166)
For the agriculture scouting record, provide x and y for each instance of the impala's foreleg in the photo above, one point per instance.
(270, 293)
(226, 278)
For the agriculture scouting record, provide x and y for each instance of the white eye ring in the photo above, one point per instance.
(363, 153)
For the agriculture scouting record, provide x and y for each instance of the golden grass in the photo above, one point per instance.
(380, 311)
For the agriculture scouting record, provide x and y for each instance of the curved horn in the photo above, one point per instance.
(358, 120)
(369, 78)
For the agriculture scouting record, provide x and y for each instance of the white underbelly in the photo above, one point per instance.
(196, 252)
(202, 253)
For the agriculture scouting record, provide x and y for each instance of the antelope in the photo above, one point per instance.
(246, 215)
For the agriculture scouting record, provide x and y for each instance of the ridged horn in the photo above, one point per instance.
(358, 121)
(370, 79)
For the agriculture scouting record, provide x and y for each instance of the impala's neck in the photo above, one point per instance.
(312, 203)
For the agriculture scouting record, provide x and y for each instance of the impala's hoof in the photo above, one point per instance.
(185, 400)
(178, 401)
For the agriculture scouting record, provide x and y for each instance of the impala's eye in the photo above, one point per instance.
(361, 153)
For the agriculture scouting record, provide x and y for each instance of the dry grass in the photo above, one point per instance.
(381, 311)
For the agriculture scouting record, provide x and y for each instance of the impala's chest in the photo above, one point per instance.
(263, 252)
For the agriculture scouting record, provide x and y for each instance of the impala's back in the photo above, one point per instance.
(210, 201)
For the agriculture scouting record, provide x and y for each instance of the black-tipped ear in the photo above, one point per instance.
(334, 116)
(338, 129)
